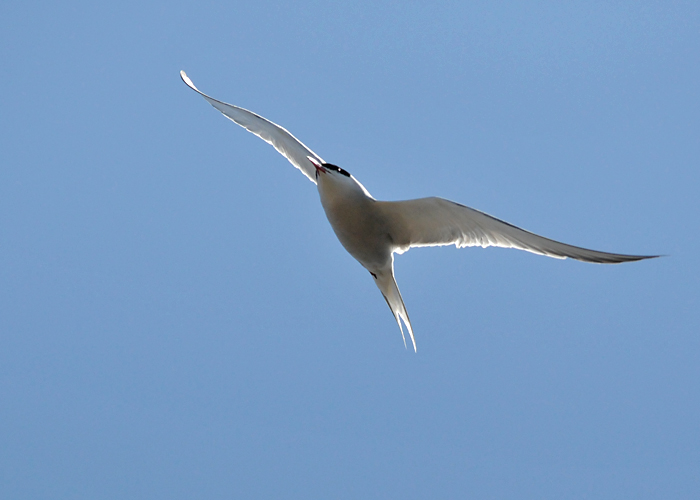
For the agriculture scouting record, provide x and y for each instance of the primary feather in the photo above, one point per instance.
(289, 146)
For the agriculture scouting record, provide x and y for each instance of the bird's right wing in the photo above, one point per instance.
(436, 222)
(289, 146)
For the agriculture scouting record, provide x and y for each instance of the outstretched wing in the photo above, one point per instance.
(436, 221)
(289, 146)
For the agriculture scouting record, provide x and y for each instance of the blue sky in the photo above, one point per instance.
(177, 319)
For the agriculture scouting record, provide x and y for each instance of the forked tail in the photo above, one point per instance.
(387, 285)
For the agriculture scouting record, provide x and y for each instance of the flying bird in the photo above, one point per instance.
(372, 231)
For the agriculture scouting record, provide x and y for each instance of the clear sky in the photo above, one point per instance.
(178, 320)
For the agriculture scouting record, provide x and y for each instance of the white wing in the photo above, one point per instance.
(289, 146)
(436, 221)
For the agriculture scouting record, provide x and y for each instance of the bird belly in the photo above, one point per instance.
(362, 231)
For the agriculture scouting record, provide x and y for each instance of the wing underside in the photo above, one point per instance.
(280, 138)
(436, 222)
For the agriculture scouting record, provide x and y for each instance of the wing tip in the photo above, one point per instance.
(645, 257)
(620, 258)
(187, 80)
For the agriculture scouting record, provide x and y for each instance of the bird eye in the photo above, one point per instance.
(330, 166)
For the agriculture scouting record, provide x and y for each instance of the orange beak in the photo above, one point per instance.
(319, 167)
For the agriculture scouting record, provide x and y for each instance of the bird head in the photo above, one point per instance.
(333, 177)
(327, 168)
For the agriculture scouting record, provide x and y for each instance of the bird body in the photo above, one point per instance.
(373, 231)
(368, 229)
(357, 220)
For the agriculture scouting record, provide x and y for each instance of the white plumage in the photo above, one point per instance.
(372, 231)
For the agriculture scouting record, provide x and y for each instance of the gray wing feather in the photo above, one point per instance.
(436, 221)
(289, 146)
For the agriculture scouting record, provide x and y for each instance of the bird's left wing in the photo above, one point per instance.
(289, 146)
(436, 221)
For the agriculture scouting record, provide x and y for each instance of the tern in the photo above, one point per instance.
(372, 231)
